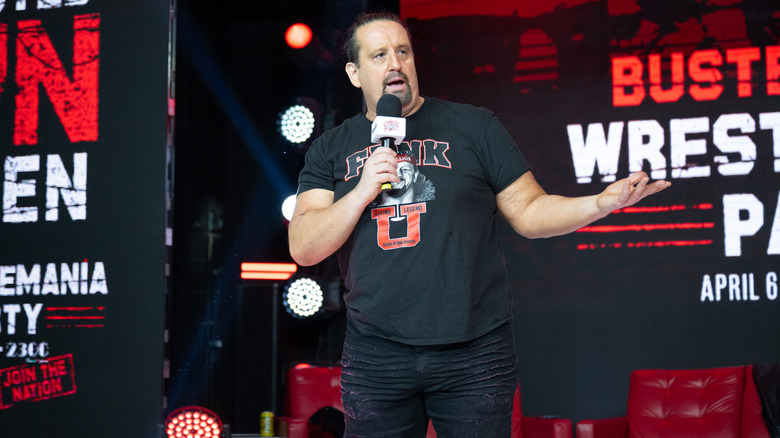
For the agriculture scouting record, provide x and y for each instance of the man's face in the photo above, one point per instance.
(407, 172)
(386, 66)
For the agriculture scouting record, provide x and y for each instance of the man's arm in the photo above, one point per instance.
(533, 213)
(319, 226)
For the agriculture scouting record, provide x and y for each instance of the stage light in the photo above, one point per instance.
(312, 296)
(297, 123)
(298, 36)
(267, 271)
(303, 297)
(288, 206)
(300, 122)
(193, 422)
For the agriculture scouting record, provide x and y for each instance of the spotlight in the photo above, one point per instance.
(288, 206)
(298, 123)
(305, 297)
(298, 36)
(302, 298)
(193, 422)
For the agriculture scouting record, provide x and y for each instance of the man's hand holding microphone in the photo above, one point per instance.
(379, 169)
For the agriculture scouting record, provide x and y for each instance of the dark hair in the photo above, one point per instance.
(351, 48)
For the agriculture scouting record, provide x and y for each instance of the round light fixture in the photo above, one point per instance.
(302, 298)
(296, 124)
(288, 206)
(298, 35)
(193, 422)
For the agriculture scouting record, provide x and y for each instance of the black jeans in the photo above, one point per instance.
(467, 389)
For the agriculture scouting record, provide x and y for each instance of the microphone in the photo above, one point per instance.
(388, 127)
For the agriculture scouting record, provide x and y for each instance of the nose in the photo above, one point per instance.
(395, 62)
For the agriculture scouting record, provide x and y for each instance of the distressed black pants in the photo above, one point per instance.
(392, 390)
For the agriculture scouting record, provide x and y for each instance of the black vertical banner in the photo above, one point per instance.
(84, 87)
(593, 91)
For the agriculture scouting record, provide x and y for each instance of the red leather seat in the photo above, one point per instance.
(712, 403)
(308, 390)
(312, 388)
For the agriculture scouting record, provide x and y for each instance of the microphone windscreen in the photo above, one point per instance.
(389, 105)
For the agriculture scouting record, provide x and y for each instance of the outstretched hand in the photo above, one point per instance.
(629, 191)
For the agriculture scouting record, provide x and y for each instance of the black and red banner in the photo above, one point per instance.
(592, 91)
(84, 142)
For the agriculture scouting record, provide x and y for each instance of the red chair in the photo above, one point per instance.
(311, 388)
(712, 403)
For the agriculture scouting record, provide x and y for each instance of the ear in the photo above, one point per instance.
(352, 72)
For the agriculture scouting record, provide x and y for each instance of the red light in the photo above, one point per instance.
(298, 36)
(267, 271)
(193, 421)
(646, 227)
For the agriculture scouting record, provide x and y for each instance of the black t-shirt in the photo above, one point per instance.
(426, 268)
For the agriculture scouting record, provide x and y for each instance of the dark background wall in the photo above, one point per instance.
(235, 74)
(592, 306)
(589, 307)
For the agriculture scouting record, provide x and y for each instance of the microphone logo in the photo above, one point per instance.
(391, 126)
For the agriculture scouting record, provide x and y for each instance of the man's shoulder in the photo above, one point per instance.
(464, 109)
(356, 125)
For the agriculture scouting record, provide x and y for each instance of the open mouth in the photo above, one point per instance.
(395, 83)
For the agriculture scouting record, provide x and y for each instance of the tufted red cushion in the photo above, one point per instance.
(685, 403)
(753, 425)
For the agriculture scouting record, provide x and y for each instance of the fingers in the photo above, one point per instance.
(640, 187)
(377, 169)
(656, 187)
(385, 165)
(629, 191)
(639, 179)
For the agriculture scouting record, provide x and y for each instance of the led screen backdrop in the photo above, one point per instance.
(687, 91)
(83, 135)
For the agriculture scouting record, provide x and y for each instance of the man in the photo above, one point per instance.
(429, 310)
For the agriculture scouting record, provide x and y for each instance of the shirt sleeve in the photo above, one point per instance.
(504, 161)
(317, 173)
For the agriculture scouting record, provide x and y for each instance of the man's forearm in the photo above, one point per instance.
(318, 230)
(553, 215)
(533, 213)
